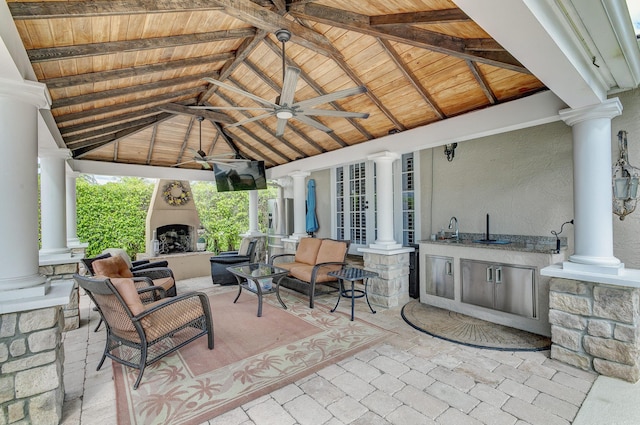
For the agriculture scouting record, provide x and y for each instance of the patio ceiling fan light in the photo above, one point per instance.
(284, 114)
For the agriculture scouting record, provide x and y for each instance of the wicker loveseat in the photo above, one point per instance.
(309, 266)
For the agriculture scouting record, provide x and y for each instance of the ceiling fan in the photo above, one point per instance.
(205, 160)
(284, 108)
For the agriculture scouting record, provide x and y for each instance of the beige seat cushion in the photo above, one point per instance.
(307, 250)
(304, 273)
(289, 266)
(331, 252)
(112, 267)
(244, 246)
(119, 252)
(165, 283)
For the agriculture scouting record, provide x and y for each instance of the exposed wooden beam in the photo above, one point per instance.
(174, 108)
(426, 17)
(484, 85)
(95, 49)
(75, 138)
(152, 143)
(242, 53)
(248, 147)
(74, 9)
(410, 76)
(185, 140)
(226, 138)
(123, 91)
(318, 88)
(114, 74)
(267, 20)
(87, 146)
(406, 34)
(64, 131)
(281, 6)
(163, 98)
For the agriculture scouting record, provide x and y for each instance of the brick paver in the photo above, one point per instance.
(412, 378)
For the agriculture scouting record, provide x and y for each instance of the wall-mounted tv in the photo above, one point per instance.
(241, 175)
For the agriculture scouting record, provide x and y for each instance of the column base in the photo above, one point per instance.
(53, 251)
(573, 266)
(385, 246)
(19, 283)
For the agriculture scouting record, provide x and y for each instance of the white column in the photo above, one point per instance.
(71, 209)
(384, 200)
(253, 215)
(592, 192)
(52, 201)
(19, 103)
(299, 204)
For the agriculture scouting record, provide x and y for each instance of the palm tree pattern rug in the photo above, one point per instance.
(467, 330)
(252, 356)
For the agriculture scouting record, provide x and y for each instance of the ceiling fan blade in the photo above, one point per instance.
(196, 154)
(331, 97)
(248, 120)
(239, 91)
(204, 164)
(289, 85)
(313, 123)
(282, 123)
(230, 108)
(332, 113)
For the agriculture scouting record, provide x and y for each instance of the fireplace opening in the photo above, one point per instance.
(174, 238)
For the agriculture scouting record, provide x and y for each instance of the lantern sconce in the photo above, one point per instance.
(450, 151)
(625, 181)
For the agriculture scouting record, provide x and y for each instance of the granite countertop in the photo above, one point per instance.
(532, 244)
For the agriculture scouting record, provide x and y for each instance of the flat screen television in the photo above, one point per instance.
(241, 175)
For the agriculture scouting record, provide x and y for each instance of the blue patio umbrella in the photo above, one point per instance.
(312, 219)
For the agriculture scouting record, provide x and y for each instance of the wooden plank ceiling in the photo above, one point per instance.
(123, 74)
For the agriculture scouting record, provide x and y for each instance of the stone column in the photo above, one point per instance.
(71, 210)
(52, 201)
(299, 204)
(592, 190)
(384, 200)
(19, 104)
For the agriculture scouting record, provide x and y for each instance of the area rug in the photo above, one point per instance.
(252, 357)
(463, 329)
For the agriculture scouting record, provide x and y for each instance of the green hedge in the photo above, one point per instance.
(113, 215)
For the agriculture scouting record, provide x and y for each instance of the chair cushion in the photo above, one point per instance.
(127, 290)
(165, 283)
(304, 273)
(307, 250)
(119, 252)
(331, 251)
(112, 267)
(244, 246)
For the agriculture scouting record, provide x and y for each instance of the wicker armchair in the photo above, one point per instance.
(139, 334)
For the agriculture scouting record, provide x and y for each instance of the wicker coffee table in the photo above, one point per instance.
(259, 278)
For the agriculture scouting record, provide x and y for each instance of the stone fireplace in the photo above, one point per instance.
(172, 220)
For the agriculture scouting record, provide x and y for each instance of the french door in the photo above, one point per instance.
(355, 204)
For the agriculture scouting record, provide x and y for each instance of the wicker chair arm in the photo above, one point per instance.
(157, 293)
(154, 273)
(148, 265)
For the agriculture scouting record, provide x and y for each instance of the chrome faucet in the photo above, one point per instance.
(451, 221)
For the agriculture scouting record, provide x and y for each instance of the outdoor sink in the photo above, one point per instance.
(492, 241)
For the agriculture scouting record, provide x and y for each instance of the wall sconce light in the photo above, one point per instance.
(625, 181)
(450, 151)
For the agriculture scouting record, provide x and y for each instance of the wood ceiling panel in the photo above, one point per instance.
(386, 7)
(457, 29)
(502, 82)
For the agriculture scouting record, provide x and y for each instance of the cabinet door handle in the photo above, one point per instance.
(498, 275)
(449, 268)
(489, 274)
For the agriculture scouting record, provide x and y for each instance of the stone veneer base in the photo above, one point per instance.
(596, 326)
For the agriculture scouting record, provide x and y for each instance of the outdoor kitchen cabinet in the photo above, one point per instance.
(504, 287)
(439, 276)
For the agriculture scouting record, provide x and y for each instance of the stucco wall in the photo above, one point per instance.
(524, 180)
